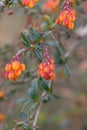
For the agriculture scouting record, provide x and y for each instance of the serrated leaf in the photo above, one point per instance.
(43, 84)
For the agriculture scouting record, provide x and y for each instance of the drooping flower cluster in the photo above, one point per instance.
(50, 4)
(2, 117)
(46, 68)
(14, 70)
(29, 3)
(1, 94)
(67, 16)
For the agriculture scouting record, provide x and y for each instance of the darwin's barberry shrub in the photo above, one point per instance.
(36, 63)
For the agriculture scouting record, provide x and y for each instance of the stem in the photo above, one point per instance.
(37, 113)
(21, 51)
(36, 116)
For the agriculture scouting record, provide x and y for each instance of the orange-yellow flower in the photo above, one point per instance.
(67, 18)
(50, 5)
(29, 3)
(46, 70)
(2, 117)
(1, 94)
(14, 70)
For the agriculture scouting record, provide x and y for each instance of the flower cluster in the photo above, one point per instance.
(14, 70)
(1, 94)
(46, 70)
(50, 4)
(29, 3)
(67, 16)
(2, 117)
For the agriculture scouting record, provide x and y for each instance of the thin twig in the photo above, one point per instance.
(21, 51)
(37, 113)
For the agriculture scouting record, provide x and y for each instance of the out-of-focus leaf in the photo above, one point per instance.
(46, 34)
(5, 127)
(34, 91)
(26, 127)
(43, 84)
(21, 100)
(39, 54)
(23, 115)
(80, 9)
(56, 96)
(51, 43)
(67, 70)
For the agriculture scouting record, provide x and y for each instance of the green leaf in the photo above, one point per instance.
(32, 38)
(21, 100)
(5, 127)
(46, 34)
(38, 53)
(80, 9)
(31, 29)
(34, 91)
(67, 70)
(23, 115)
(43, 84)
(26, 127)
(37, 35)
(51, 86)
(56, 96)
(25, 43)
(24, 37)
(51, 43)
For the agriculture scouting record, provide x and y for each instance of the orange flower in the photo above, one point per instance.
(50, 5)
(29, 3)
(72, 1)
(46, 70)
(1, 94)
(2, 117)
(67, 18)
(14, 70)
